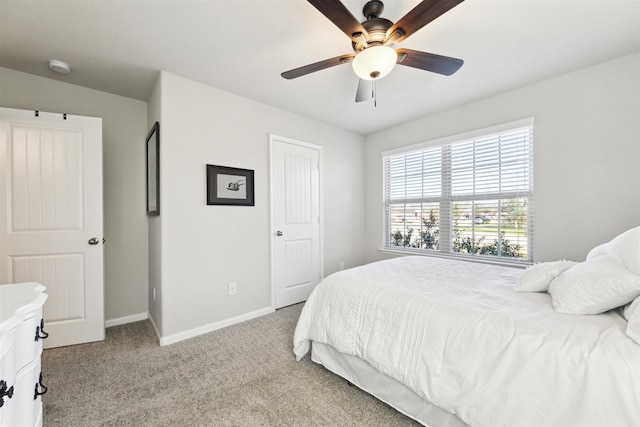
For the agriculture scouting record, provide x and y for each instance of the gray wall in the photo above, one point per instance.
(124, 122)
(155, 236)
(203, 248)
(586, 155)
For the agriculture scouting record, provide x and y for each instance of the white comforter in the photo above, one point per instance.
(458, 335)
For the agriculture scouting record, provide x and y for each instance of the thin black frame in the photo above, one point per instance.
(212, 185)
(153, 147)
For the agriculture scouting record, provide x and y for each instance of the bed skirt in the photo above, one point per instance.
(383, 387)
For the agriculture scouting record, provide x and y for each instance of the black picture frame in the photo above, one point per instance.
(229, 186)
(153, 171)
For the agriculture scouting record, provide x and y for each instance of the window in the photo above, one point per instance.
(465, 196)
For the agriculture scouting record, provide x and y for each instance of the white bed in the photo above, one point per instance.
(449, 343)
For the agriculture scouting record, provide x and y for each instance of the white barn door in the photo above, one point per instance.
(296, 219)
(51, 223)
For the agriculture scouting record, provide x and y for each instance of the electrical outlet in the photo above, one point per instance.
(341, 266)
(154, 294)
(232, 289)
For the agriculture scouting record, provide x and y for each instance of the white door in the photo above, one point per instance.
(51, 217)
(296, 219)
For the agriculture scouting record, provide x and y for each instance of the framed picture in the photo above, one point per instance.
(153, 171)
(229, 186)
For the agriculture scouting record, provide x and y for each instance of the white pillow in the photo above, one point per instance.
(594, 286)
(632, 314)
(598, 251)
(625, 246)
(537, 277)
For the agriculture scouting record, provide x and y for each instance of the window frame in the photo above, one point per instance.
(445, 250)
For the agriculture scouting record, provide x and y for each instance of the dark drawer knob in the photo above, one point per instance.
(40, 388)
(40, 333)
(5, 392)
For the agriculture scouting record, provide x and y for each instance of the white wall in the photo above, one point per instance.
(586, 155)
(124, 122)
(203, 248)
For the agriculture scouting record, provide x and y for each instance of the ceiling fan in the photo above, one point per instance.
(373, 40)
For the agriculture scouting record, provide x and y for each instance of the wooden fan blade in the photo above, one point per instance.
(337, 13)
(317, 66)
(429, 61)
(425, 12)
(364, 90)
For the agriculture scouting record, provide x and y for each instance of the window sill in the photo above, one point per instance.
(462, 257)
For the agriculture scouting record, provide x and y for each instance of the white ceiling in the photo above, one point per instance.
(242, 46)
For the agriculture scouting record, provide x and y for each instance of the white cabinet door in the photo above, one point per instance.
(295, 192)
(51, 221)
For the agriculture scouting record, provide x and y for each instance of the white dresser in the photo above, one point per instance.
(21, 335)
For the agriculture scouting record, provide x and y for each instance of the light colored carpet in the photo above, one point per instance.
(243, 375)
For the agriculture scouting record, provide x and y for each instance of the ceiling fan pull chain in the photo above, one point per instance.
(373, 93)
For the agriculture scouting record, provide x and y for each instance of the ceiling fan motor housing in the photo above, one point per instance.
(376, 27)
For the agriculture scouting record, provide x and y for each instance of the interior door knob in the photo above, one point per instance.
(94, 241)
(278, 233)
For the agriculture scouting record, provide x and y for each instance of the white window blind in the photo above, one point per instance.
(468, 197)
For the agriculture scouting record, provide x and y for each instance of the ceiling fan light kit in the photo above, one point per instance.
(375, 62)
(372, 41)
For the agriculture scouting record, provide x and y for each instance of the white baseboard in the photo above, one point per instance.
(126, 319)
(172, 339)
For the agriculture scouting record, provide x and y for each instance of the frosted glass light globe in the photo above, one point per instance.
(375, 62)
